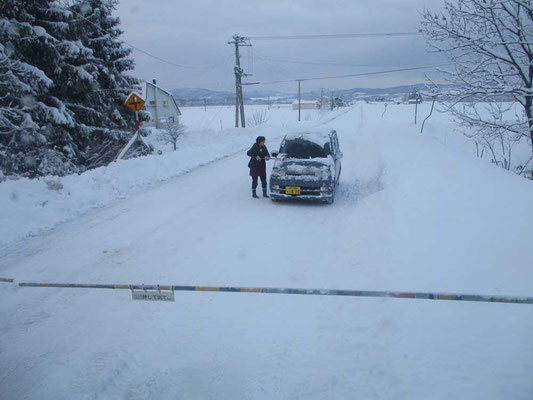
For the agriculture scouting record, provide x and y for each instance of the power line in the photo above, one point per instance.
(222, 61)
(354, 75)
(336, 36)
(323, 63)
(135, 47)
(283, 70)
(280, 37)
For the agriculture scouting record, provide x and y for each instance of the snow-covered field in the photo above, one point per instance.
(413, 213)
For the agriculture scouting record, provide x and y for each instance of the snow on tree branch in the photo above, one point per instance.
(490, 44)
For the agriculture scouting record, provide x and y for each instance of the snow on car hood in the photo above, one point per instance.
(312, 168)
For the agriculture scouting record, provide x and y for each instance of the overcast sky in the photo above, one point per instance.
(195, 34)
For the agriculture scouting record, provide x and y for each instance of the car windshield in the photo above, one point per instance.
(301, 148)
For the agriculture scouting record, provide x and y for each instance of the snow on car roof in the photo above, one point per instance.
(315, 136)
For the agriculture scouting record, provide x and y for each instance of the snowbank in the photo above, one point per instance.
(31, 206)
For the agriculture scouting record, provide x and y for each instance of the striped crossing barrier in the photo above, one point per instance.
(319, 292)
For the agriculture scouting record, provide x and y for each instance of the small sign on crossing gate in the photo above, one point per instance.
(134, 102)
(152, 295)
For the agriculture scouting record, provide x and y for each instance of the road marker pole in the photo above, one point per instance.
(134, 102)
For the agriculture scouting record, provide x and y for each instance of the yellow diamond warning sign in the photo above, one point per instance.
(134, 102)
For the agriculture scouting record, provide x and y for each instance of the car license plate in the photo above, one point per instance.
(294, 190)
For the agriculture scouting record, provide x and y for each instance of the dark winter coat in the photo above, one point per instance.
(257, 168)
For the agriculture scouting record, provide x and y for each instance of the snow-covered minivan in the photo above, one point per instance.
(308, 167)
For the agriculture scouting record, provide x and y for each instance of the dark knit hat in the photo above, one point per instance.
(260, 139)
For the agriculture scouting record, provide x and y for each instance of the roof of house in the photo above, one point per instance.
(146, 83)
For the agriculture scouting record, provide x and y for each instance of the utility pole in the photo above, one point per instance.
(299, 101)
(205, 105)
(239, 41)
(321, 98)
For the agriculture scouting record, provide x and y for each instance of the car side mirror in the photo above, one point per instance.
(274, 154)
(340, 155)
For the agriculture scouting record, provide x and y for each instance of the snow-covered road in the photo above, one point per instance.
(410, 215)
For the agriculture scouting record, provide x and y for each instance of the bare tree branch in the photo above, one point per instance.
(490, 43)
(172, 132)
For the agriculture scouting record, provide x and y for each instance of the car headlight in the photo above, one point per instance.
(278, 172)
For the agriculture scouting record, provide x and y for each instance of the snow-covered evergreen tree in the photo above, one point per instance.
(33, 121)
(107, 121)
(63, 85)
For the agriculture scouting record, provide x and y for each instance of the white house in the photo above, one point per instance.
(160, 104)
(305, 105)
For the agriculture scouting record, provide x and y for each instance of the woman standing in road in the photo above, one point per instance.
(258, 155)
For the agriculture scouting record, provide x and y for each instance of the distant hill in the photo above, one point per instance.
(355, 93)
(199, 95)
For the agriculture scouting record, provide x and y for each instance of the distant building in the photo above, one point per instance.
(160, 104)
(306, 105)
(329, 103)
